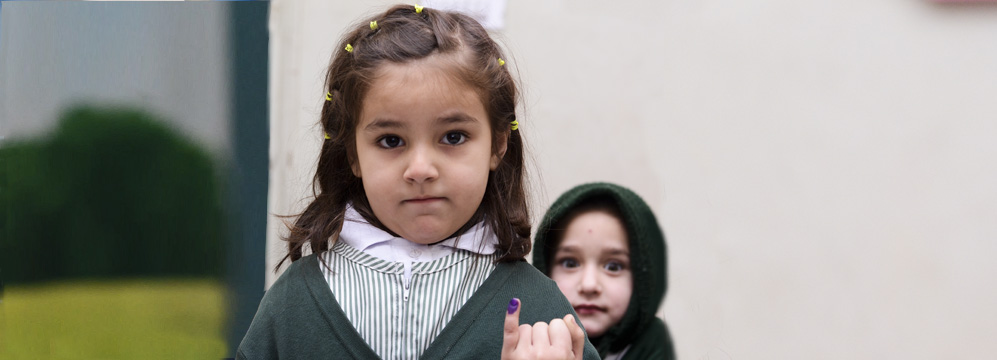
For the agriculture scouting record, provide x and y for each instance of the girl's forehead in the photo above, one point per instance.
(438, 73)
(418, 88)
(595, 229)
(596, 219)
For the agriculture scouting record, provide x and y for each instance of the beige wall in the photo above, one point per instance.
(823, 170)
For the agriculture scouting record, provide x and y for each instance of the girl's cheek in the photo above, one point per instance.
(563, 280)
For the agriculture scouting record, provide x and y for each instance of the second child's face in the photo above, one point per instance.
(424, 150)
(592, 269)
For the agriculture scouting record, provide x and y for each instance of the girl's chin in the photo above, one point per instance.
(593, 330)
(430, 232)
(426, 237)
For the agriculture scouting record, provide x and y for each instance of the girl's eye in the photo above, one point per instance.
(454, 138)
(390, 141)
(568, 263)
(615, 266)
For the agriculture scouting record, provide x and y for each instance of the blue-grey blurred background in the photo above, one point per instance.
(133, 172)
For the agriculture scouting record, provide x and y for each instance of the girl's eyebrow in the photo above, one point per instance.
(457, 118)
(618, 252)
(378, 124)
(567, 249)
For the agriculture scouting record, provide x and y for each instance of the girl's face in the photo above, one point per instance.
(424, 150)
(592, 269)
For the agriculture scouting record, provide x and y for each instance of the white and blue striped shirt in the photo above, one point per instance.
(399, 295)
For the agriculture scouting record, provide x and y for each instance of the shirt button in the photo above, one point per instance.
(414, 253)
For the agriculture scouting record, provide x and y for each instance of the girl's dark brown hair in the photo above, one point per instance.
(404, 35)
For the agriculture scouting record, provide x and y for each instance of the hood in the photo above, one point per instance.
(647, 257)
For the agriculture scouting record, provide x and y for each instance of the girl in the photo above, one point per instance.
(419, 225)
(602, 245)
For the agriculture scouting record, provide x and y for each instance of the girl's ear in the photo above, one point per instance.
(356, 169)
(355, 166)
(503, 145)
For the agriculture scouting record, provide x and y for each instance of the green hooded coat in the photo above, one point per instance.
(639, 328)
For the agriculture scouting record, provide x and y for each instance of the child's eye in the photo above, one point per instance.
(390, 141)
(615, 266)
(568, 263)
(454, 138)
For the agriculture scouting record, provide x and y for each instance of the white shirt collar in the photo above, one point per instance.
(365, 237)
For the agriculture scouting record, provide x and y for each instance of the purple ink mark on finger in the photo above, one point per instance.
(513, 305)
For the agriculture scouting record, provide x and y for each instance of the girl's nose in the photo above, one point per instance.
(590, 284)
(421, 167)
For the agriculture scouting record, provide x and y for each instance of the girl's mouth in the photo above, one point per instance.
(424, 200)
(588, 309)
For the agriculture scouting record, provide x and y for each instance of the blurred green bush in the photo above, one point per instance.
(110, 193)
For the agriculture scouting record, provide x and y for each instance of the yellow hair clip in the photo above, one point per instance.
(515, 125)
(328, 96)
(373, 25)
(327, 136)
(418, 9)
(502, 62)
(349, 48)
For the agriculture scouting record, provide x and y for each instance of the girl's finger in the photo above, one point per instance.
(540, 336)
(577, 336)
(511, 334)
(560, 337)
(525, 345)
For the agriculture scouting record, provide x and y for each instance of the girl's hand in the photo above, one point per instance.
(561, 339)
